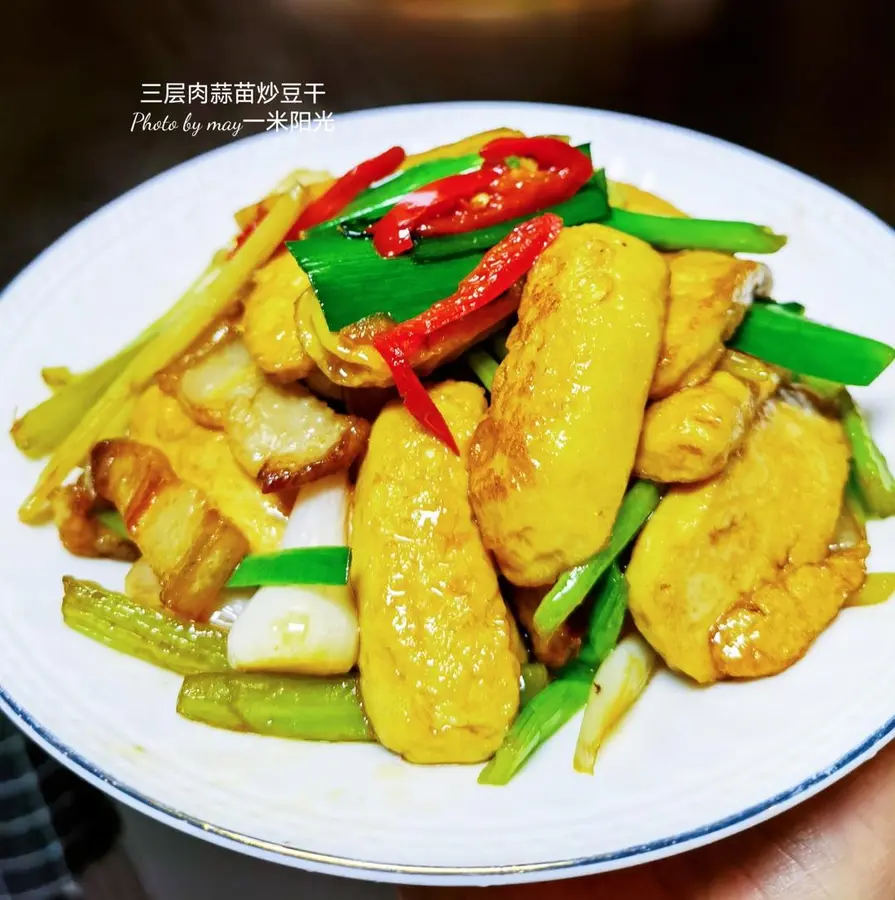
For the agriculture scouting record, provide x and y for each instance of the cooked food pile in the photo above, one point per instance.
(443, 451)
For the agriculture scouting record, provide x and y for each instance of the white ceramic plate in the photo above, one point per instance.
(688, 767)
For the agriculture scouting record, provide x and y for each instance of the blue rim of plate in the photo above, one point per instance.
(364, 869)
(345, 866)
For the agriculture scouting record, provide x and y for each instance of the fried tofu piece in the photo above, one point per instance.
(709, 294)
(189, 545)
(778, 623)
(552, 458)
(284, 436)
(74, 509)
(439, 672)
(736, 576)
(635, 199)
(203, 457)
(268, 325)
(690, 435)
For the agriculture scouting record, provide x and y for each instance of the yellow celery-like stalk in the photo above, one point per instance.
(204, 301)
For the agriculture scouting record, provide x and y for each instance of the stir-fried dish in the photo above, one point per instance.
(442, 451)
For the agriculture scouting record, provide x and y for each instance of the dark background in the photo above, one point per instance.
(810, 82)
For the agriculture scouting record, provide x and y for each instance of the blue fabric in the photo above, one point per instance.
(52, 824)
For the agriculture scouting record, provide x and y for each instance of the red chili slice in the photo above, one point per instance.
(501, 267)
(563, 171)
(345, 189)
(392, 233)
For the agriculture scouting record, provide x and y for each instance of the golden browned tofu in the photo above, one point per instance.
(74, 509)
(268, 324)
(635, 199)
(735, 576)
(189, 545)
(438, 669)
(203, 457)
(282, 435)
(690, 435)
(550, 461)
(708, 297)
(780, 620)
(348, 357)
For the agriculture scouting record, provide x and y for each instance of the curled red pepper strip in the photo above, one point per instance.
(419, 404)
(345, 189)
(501, 267)
(392, 233)
(563, 171)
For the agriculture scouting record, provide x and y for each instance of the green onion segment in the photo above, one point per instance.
(573, 586)
(807, 347)
(543, 716)
(301, 565)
